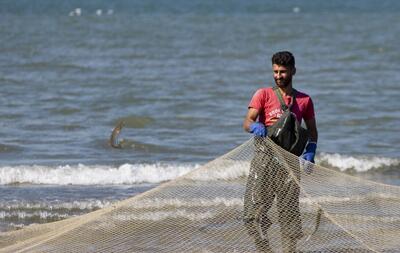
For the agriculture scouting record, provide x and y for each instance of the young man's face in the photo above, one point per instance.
(283, 75)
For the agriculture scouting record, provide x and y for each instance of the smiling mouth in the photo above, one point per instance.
(280, 82)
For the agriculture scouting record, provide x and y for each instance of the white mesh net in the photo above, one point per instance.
(267, 203)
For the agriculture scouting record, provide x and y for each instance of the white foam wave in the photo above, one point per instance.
(181, 209)
(238, 202)
(93, 175)
(179, 203)
(42, 215)
(221, 170)
(84, 205)
(355, 198)
(162, 215)
(31, 212)
(358, 163)
(158, 172)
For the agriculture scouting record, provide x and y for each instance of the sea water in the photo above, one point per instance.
(180, 74)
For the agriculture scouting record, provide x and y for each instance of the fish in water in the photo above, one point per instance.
(114, 141)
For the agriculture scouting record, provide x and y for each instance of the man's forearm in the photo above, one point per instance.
(250, 118)
(246, 124)
(314, 135)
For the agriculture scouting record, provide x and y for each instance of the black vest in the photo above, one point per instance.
(287, 131)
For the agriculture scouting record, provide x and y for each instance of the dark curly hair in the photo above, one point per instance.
(284, 58)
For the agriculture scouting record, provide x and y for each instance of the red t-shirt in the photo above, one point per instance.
(266, 101)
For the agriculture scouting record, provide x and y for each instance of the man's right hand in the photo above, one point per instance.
(258, 129)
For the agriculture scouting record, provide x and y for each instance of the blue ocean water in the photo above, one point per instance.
(180, 75)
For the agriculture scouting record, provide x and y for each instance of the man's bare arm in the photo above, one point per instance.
(312, 128)
(250, 118)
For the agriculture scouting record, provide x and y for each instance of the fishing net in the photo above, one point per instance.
(256, 198)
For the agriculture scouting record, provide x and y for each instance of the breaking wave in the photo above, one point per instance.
(80, 174)
(358, 163)
(129, 174)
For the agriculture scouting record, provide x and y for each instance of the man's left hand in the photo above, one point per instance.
(309, 154)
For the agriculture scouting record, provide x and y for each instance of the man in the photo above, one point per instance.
(268, 178)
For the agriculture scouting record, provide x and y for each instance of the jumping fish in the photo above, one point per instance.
(114, 141)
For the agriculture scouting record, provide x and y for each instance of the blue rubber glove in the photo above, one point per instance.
(258, 129)
(309, 154)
